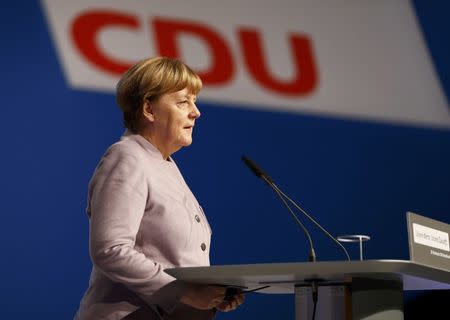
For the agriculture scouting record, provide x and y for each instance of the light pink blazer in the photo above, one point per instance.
(143, 219)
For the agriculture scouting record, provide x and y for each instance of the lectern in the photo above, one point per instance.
(357, 290)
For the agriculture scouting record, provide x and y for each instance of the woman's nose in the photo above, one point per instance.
(195, 111)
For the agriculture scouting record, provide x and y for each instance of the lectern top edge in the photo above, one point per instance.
(415, 276)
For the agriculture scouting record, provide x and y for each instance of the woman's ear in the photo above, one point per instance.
(147, 111)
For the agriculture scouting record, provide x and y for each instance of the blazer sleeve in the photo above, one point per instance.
(117, 200)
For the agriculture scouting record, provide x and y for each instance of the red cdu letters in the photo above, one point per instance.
(86, 27)
(222, 66)
(305, 79)
(84, 33)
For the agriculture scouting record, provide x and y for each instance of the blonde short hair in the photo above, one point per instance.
(148, 80)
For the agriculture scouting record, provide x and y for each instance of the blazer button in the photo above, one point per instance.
(203, 246)
(197, 218)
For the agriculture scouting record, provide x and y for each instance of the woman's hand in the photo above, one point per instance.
(205, 297)
(231, 304)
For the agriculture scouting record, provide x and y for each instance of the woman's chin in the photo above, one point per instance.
(185, 143)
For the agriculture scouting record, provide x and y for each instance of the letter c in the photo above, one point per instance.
(84, 33)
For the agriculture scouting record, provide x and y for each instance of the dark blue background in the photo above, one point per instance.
(355, 177)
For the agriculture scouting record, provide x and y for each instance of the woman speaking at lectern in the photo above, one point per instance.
(143, 218)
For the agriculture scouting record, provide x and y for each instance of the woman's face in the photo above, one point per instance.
(173, 119)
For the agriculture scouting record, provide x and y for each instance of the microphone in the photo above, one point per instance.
(256, 170)
(261, 174)
(283, 197)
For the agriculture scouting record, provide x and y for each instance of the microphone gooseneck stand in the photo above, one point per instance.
(284, 199)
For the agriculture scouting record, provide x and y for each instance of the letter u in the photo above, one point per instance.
(305, 79)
